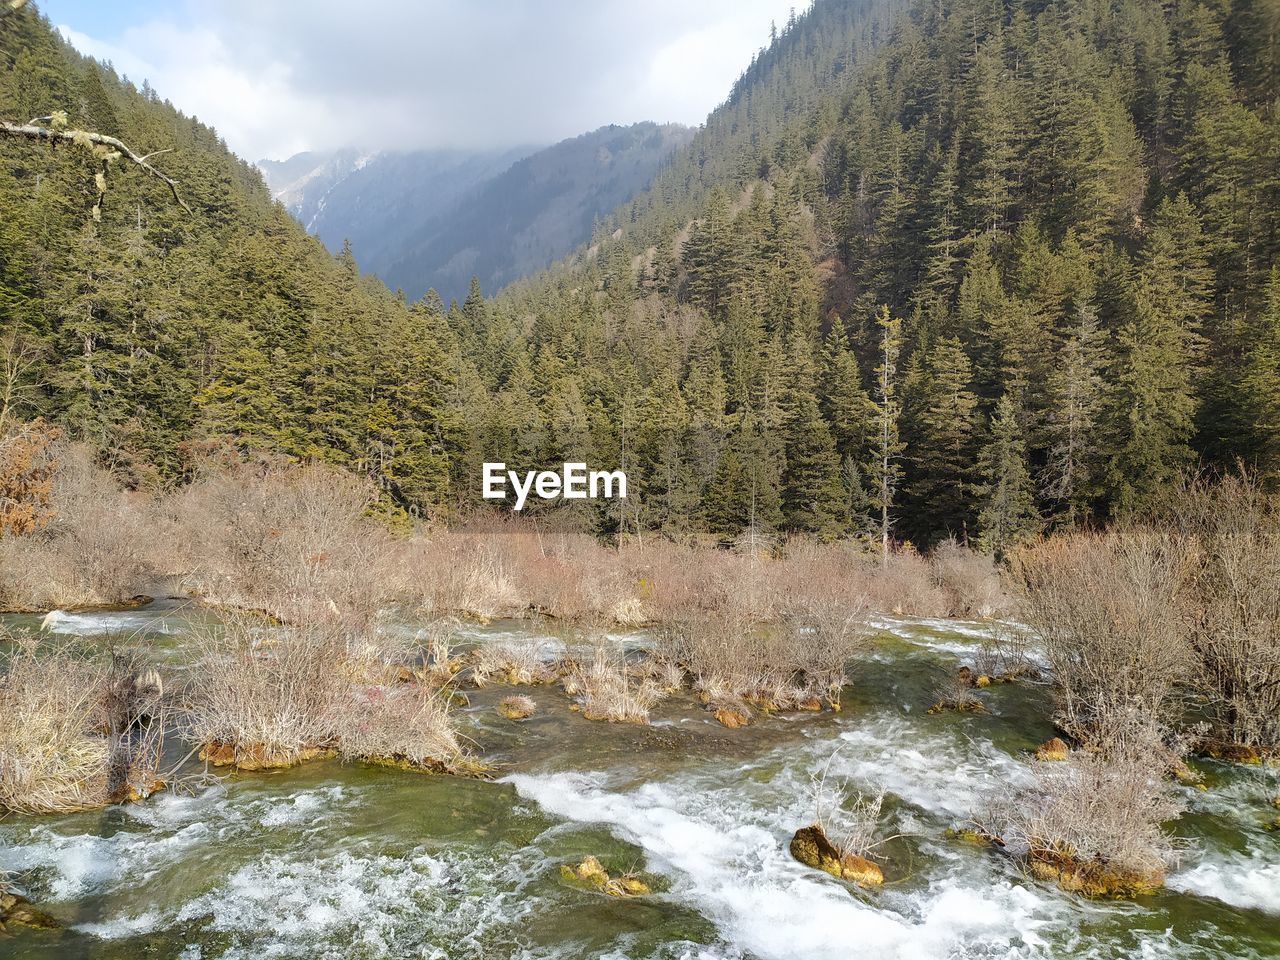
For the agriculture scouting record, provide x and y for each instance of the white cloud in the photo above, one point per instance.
(282, 76)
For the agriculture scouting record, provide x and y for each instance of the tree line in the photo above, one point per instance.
(962, 269)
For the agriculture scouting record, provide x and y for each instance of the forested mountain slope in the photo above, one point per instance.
(1071, 211)
(155, 333)
(982, 266)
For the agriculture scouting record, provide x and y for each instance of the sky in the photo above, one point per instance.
(276, 77)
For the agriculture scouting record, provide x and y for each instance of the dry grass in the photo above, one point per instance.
(406, 725)
(608, 691)
(76, 733)
(54, 753)
(267, 699)
(513, 662)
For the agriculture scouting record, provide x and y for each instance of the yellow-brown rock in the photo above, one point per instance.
(732, 717)
(590, 873)
(1055, 749)
(1092, 878)
(811, 847)
(18, 911)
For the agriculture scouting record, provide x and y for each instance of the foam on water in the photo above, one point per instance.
(173, 826)
(741, 876)
(90, 624)
(367, 904)
(944, 773)
(1249, 880)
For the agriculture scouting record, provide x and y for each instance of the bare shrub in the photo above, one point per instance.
(89, 548)
(1005, 652)
(292, 541)
(609, 692)
(262, 699)
(1094, 822)
(954, 691)
(905, 586)
(1231, 604)
(971, 581)
(28, 464)
(850, 820)
(1105, 608)
(444, 572)
(407, 725)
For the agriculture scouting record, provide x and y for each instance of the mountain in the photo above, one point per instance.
(378, 201)
(935, 268)
(529, 216)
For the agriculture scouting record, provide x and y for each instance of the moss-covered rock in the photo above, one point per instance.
(1092, 878)
(590, 874)
(256, 756)
(811, 847)
(517, 707)
(17, 911)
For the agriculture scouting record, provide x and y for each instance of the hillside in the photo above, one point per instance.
(161, 336)
(933, 269)
(986, 267)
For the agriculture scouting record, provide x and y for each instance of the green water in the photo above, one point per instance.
(334, 860)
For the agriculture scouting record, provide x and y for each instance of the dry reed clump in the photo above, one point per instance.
(76, 733)
(515, 662)
(1094, 821)
(406, 726)
(292, 541)
(1105, 608)
(267, 699)
(1230, 603)
(904, 586)
(517, 707)
(607, 690)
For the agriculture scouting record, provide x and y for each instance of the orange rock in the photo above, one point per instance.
(1055, 749)
(731, 717)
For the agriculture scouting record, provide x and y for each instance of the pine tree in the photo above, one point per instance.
(1259, 384)
(885, 468)
(942, 445)
(1007, 513)
(1070, 474)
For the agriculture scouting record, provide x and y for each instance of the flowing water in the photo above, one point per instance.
(334, 860)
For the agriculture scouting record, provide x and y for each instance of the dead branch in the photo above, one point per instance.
(34, 132)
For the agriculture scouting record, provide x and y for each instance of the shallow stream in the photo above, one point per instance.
(340, 860)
